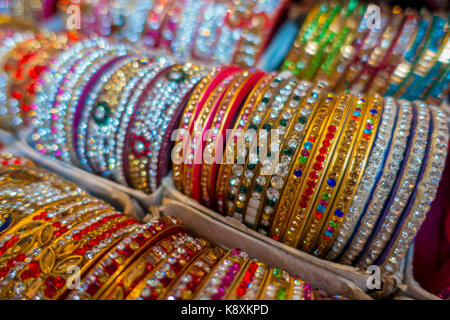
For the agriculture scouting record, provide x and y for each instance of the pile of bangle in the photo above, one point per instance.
(59, 242)
(348, 178)
(374, 48)
(219, 31)
(111, 110)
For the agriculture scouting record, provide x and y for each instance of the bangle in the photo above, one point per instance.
(250, 282)
(44, 275)
(278, 95)
(269, 193)
(151, 74)
(403, 188)
(353, 175)
(223, 276)
(419, 204)
(293, 138)
(209, 107)
(186, 287)
(384, 183)
(277, 285)
(403, 70)
(158, 283)
(386, 42)
(108, 103)
(170, 90)
(367, 184)
(223, 118)
(240, 127)
(148, 262)
(191, 111)
(313, 132)
(137, 240)
(326, 173)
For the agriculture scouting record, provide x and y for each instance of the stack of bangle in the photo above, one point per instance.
(219, 31)
(341, 176)
(374, 49)
(60, 244)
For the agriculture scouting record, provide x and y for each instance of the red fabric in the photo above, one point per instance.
(431, 265)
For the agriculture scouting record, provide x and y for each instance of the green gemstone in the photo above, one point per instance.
(326, 196)
(258, 188)
(302, 119)
(270, 202)
(265, 100)
(370, 120)
(277, 272)
(238, 210)
(267, 126)
(252, 126)
(283, 123)
(281, 294)
(243, 189)
(302, 159)
(251, 166)
(288, 151)
(333, 224)
(297, 98)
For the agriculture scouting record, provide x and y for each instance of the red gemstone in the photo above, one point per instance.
(319, 215)
(59, 282)
(332, 128)
(309, 191)
(323, 150)
(276, 238)
(127, 252)
(111, 268)
(317, 166)
(311, 183)
(320, 158)
(34, 264)
(49, 282)
(326, 238)
(240, 292)
(312, 139)
(25, 275)
(4, 271)
(303, 204)
(329, 136)
(35, 272)
(21, 257)
(93, 288)
(49, 292)
(313, 175)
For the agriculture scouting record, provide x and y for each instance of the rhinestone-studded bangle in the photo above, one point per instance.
(367, 183)
(384, 184)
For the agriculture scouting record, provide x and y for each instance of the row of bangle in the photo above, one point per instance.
(349, 168)
(49, 234)
(208, 30)
(374, 48)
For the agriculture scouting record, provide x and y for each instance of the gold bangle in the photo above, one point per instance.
(302, 159)
(317, 165)
(353, 174)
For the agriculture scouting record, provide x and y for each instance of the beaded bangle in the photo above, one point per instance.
(277, 285)
(269, 118)
(403, 188)
(413, 51)
(223, 276)
(137, 240)
(240, 127)
(317, 165)
(44, 273)
(99, 115)
(264, 103)
(167, 96)
(294, 138)
(225, 115)
(386, 42)
(424, 194)
(290, 191)
(261, 193)
(158, 283)
(367, 184)
(148, 262)
(353, 175)
(116, 166)
(186, 287)
(329, 166)
(195, 142)
(250, 282)
(384, 183)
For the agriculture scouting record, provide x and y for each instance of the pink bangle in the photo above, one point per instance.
(223, 121)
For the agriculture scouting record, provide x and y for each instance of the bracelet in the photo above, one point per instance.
(317, 164)
(158, 283)
(353, 175)
(384, 183)
(223, 276)
(403, 188)
(424, 194)
(296, 177)
(136, 241)
(147, 263)
(226, 169)
(296, 134)
(222, 121)
(186, 287)
(333, 163)
(367, 184)
(191, 111)
(260, 196)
